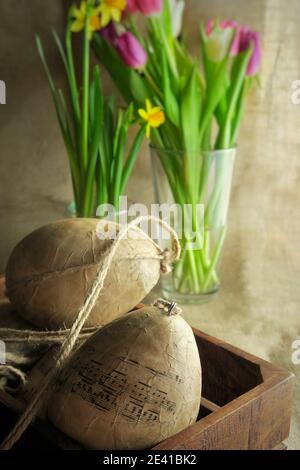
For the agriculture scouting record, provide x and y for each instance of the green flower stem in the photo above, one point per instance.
(205, 265)
(180, 198)
(182, 278)
(178, 267)
(93, 155)
(194, 271)
(102, 196)
(215, 197)
(85, 92)
(201, 262)
(153, 84)
(119, 158)
(207, 256)
(240, 110)
(195, 258)
(75, 102)
(75, 176)
(196, 268)
(215, 257)
(214, 205)
(72, 78)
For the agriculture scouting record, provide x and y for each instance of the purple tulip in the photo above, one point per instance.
(110, 34)
(246, 39)
(146, 7)
(131, 51)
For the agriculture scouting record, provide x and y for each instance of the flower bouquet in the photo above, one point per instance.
(93, 128)
(191, 108)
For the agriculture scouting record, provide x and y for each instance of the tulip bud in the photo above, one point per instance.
(176, 9)
(226, 25)
(218, 44)
(131, 51)
(146, 7)
(246, 39)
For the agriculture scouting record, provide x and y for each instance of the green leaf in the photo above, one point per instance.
(45, 65)
(74, 91)
(97, 115)
(170, 101)
(94, 147)
(190, 112)
(138, 86)
(118, 167)
(68, 140)
(109, 126)
(217, 84)
(129, 115)
(160, 40)
(92, 105)
(118, 71)
(120, 122)
(185, 65)
(241, 64)
(60, 109)
(132, 157)
(221, 110)
(166, 20)
(190, 123)
(61, 51)
(240, 108)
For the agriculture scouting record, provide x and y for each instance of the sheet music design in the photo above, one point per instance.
(102, 386)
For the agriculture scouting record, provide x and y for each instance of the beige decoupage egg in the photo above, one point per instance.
(51, 270)
(133, 384)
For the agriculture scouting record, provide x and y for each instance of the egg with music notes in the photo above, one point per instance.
(133, 384)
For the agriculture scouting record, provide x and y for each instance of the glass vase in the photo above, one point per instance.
(196, 205)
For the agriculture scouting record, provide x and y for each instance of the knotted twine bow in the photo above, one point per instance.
(166, 258)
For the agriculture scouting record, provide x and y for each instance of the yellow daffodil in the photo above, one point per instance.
(79, 15)
(153, 115)
(111, 10)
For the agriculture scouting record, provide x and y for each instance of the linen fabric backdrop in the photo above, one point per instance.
(258, 306)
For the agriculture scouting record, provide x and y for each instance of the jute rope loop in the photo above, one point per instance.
(41, 338)
(14, 378)
(70, 339)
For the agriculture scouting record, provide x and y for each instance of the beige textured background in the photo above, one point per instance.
(258, 307)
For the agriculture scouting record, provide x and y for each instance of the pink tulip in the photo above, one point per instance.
(131, 51)
(146, 7)
(223, 25)
(243, 39)
(226, 24)
(246, 39)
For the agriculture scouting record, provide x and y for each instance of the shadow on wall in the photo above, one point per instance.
(35, 186)
(34, 178)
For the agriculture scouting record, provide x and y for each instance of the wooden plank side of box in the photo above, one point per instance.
(248, 401)
(258, 419)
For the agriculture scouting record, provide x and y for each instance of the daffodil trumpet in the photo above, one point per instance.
(153, 116)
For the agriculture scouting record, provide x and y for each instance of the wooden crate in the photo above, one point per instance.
(246, 404)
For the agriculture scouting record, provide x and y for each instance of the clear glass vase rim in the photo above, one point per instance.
(203, 152)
